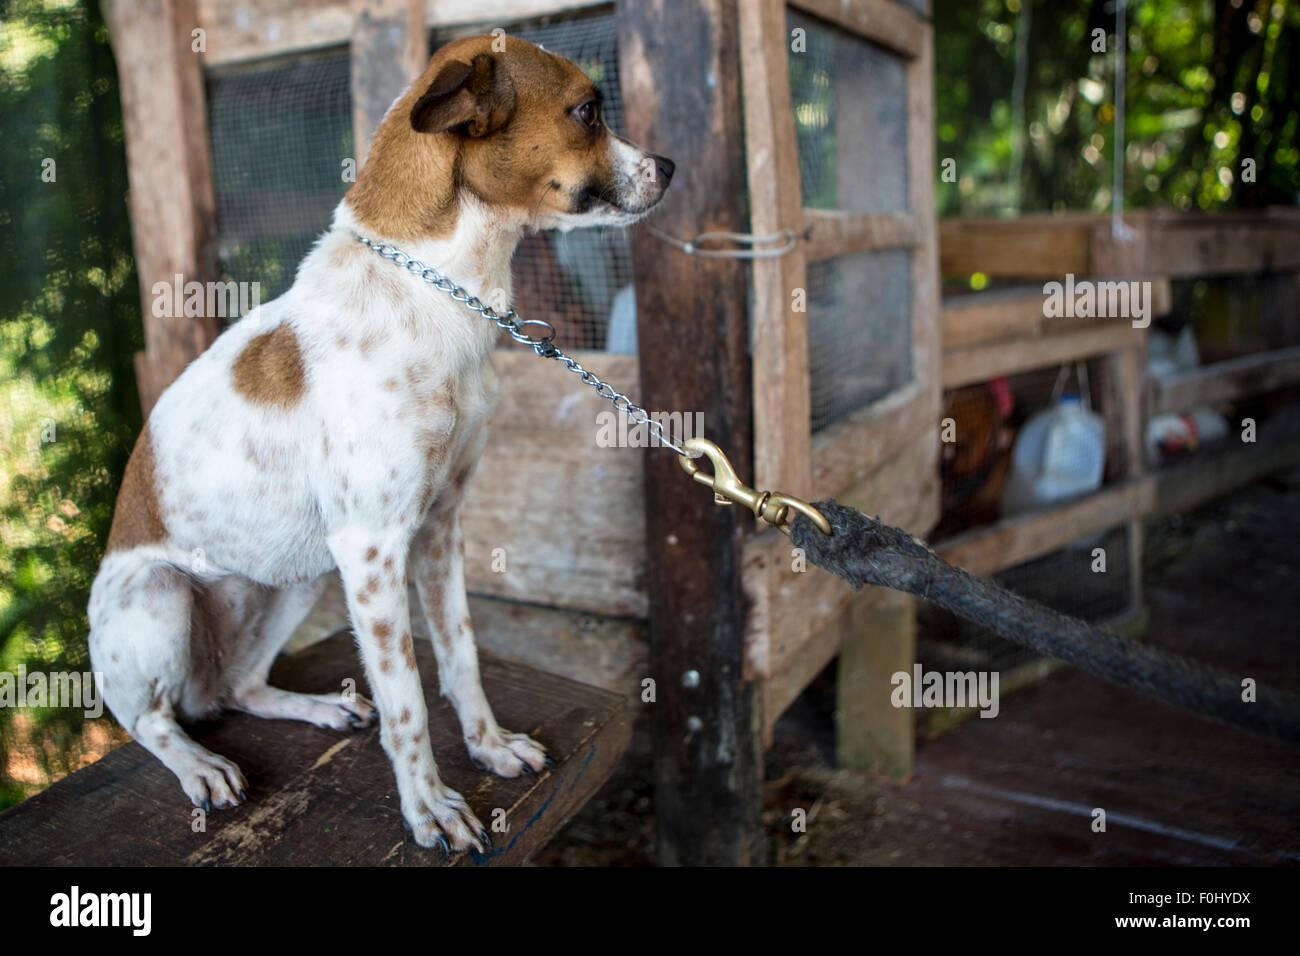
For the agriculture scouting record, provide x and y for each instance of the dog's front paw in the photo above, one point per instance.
(508, 755)
(211, 781)
(440, 816)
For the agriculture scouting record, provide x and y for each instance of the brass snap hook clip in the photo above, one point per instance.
(773, 507)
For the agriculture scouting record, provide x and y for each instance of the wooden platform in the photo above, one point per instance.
(318, 797)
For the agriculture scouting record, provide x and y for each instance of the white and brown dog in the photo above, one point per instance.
(337, 426)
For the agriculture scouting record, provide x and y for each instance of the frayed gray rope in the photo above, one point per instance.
(863, 550)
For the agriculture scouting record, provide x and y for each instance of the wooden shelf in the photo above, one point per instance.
(1225, 381)
(1013, 541)
(322, 798)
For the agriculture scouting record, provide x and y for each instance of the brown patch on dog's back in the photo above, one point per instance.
(270, 370)
(137, 519)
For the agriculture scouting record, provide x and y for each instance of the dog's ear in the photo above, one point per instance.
(474, 98)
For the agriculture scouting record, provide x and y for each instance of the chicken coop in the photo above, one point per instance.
(610, 595)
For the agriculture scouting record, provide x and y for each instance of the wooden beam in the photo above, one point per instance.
(1013, 541)
(882, 21)
(322, 798)
(782, 417)
(983, 362)
(390, 48)
(1208, 476)
(1164, 244)
(169, 165)
(848, 452)
(445, 13)
(544, 438)
(680, 60)
(871, 734)
(242, 30)
(835, 233)
(1226, 381)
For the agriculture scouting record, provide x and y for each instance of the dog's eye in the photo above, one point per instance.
(588, 114)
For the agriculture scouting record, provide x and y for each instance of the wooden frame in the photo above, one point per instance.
(800, 620)
(169, 166)
(1165, 244)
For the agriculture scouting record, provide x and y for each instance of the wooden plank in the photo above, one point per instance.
(390, 48)
(780, 334)
(255, 29)
(708, 756)
(847, 452)
(981, 317)
(567, 514)
(241, 30)
(927, 345)
(1165, 244)
(996, 315)
(1198, 245)
(1013, 541)
(979, 363)
(443, 13)
(594, 649)
(169, 166)
(882, 21)
(873, 735)
(1226, 381)
(1023, 247)
(837, 233)
(321, 798)
(1213, 474)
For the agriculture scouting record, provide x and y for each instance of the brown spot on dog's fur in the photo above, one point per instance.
(372, 553)
(406, 716)
(408, 651)
(372, 583)
(388, 563)
(137, 519)
(270, 370)
(382, 629)
(386, 666)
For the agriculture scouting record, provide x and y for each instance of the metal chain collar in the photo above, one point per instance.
(514, 326)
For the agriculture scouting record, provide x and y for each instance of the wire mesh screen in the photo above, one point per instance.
(859, 330)
(579, 281)
(280, 132)
(850, 107)
(1071, 580)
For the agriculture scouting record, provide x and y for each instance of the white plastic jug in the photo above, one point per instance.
(1060, 453)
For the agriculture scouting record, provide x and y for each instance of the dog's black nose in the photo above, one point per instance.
(665, 167)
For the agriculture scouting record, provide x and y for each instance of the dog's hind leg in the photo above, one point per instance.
(284, 610)
(140, 648)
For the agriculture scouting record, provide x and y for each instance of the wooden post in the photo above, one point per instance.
(390, 48)
(679, 67)
(872, 734)
(169, 165)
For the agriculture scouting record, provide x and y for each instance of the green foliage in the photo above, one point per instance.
(1210, 84)
(69, 325)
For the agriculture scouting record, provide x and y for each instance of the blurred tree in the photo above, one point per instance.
(69, 326)
(1211, 83)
